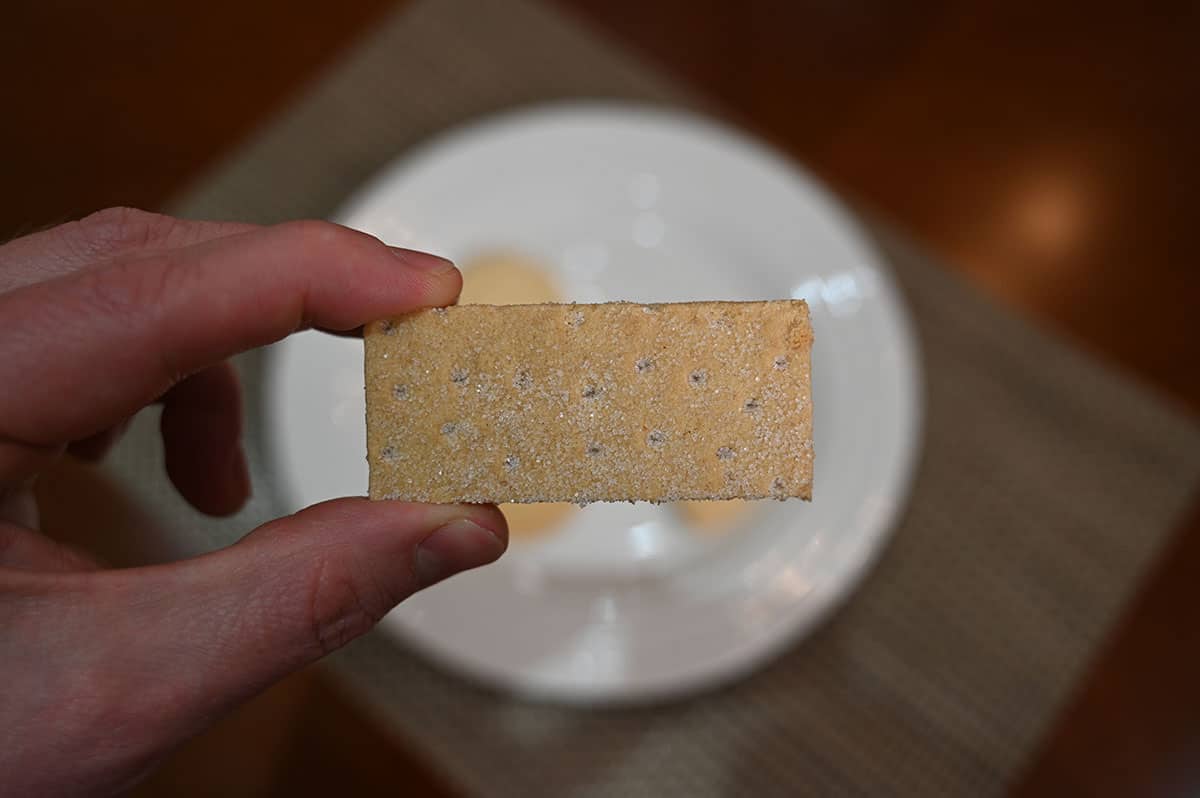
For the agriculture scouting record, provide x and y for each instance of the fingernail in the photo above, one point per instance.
(423, 260)
(458, 546)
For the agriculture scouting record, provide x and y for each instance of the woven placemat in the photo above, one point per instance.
(1047, 484)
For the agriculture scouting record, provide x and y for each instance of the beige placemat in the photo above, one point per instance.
(1047, 484)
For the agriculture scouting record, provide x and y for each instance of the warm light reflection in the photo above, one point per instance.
(1050, 213)
(792, 581)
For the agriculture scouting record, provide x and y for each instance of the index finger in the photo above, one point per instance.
(90, 349)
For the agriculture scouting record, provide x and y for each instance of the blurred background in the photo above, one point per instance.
(1047, 151)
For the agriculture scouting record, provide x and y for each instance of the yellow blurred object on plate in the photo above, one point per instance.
(504, 277)
(714, 518)
(526, 521)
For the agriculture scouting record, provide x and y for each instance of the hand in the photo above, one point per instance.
(103, 671)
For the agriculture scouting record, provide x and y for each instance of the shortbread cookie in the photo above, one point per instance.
(586, 403)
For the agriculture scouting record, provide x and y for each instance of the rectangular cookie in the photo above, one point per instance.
(586, 403)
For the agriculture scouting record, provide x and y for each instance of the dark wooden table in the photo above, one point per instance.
(1047, 150)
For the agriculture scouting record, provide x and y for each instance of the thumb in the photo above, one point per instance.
(226, 625)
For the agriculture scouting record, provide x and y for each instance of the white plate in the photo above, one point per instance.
(625, 604)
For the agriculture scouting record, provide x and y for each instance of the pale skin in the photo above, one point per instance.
(104, 671)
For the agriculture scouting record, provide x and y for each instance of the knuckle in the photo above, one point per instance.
(114, 231)
(341, 605)
(138, 294)
(313, 231)
(321, 235)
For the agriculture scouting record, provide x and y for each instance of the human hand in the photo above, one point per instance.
(104, 671)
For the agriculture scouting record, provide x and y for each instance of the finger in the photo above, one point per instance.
(99, 238)
(94, 447)
(227, 624)
(24, 549)
(202, 440)
(92, 348)
(201, 427)
(356, 332)
(19, 507)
